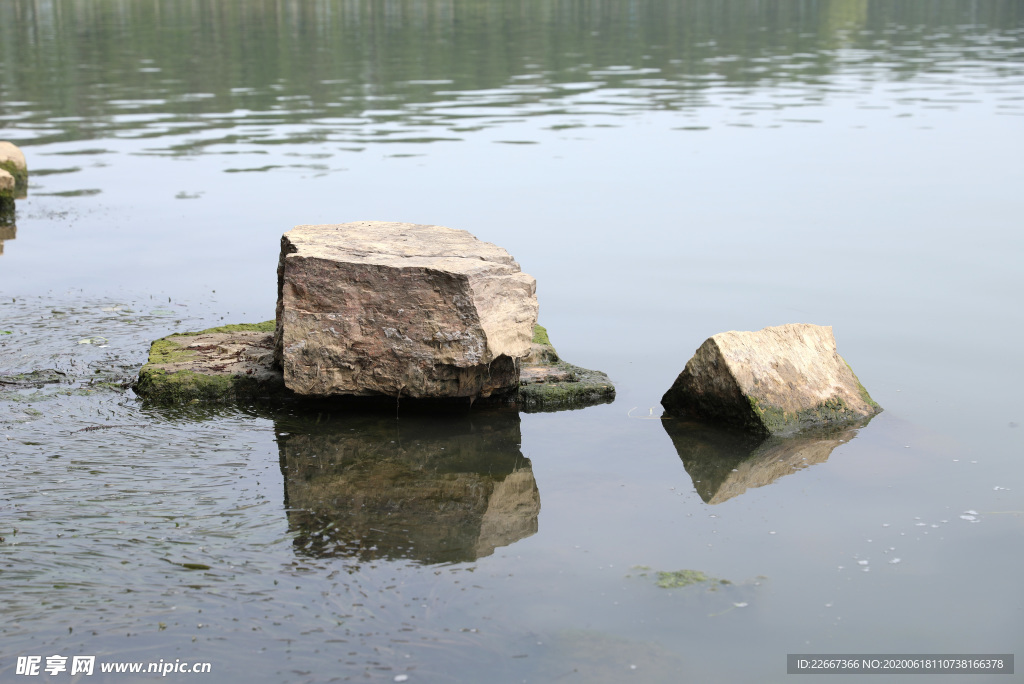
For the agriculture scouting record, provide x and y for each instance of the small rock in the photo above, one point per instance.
(13, 162)
(402, 310)
(775, 381)
(6, 185)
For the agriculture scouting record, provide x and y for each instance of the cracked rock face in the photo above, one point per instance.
(400, 309)
(775, 381)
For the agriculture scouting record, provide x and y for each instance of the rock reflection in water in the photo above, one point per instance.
(435, 489)
(8, 231)
(725, 463)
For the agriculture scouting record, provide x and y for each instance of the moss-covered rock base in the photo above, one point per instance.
(235, 363)
(12, 161)
(227, 363)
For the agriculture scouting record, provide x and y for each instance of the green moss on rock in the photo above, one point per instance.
(540, 335)
(265, 326)
(584, 388)
(20, 176)
(771, 420)
(166, 350)
(863, 391)
(161, 382)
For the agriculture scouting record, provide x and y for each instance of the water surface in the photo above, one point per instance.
(667, 171)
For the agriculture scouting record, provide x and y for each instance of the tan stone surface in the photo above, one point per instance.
(400, 309)
(775, 381)
(540, 374)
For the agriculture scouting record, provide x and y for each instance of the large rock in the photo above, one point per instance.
(774, 381)
(13, 162)
(400, 309)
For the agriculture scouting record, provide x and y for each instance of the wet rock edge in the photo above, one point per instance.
(554, 386)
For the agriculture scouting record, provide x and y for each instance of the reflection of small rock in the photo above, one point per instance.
(725, 463)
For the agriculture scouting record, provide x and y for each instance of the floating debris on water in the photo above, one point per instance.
(683, 578)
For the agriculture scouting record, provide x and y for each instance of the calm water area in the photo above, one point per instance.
(667, 170)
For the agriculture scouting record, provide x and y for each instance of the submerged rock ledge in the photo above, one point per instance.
(236, 363)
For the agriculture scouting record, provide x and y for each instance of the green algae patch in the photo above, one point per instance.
(676, 579)
(265, 326)
(166, 350)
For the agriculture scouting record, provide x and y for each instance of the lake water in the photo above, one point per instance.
(667, 171)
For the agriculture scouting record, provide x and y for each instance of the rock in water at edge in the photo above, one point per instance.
(6, 185)
(12, 160)
(774, 381)
(400, 309)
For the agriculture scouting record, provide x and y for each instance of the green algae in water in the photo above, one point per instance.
(685, 578)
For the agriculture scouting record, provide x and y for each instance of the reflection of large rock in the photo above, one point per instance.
(402, 310)
(774, 381)
(431, 488)
(724, 464)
